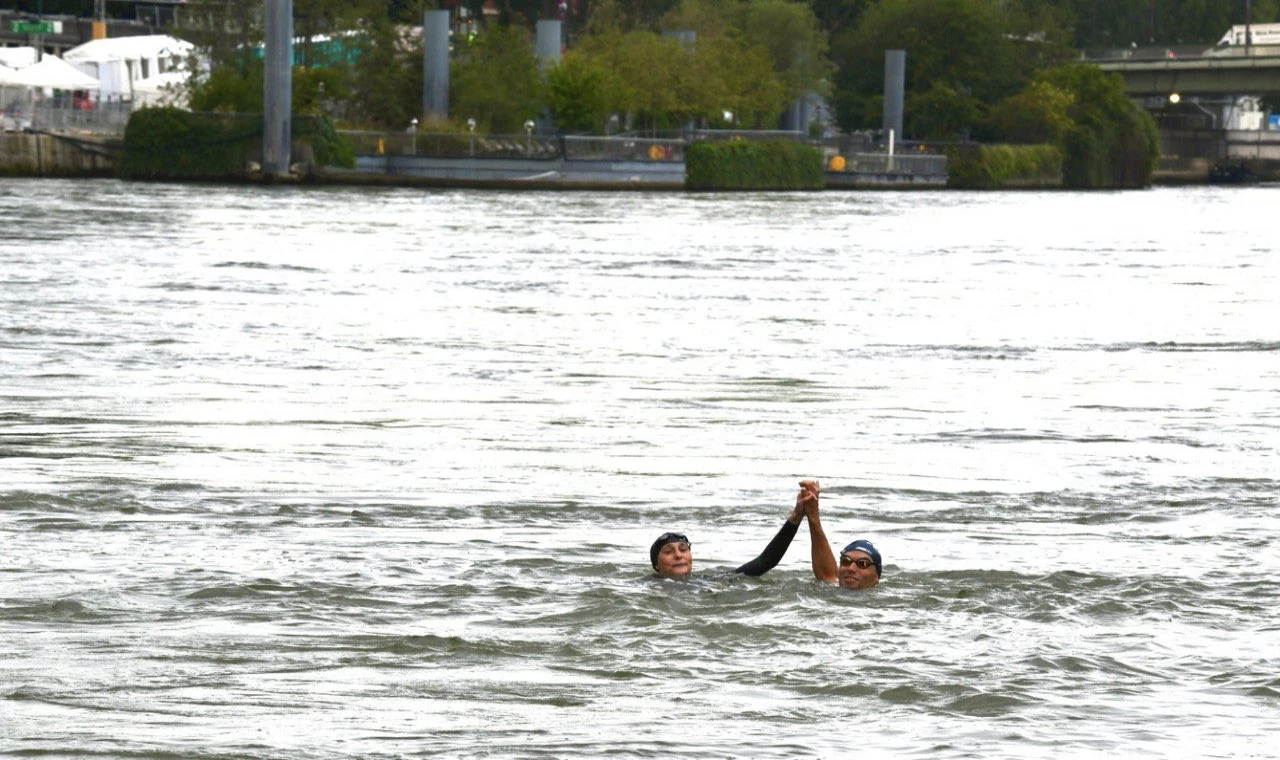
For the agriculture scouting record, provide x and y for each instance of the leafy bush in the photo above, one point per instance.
(742, 165)
(170, 143)
(989, 167)
(328, 148)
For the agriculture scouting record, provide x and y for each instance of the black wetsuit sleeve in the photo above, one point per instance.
(773, 553)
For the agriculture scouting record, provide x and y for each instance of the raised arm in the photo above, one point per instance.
(773, 553)
(824, 560)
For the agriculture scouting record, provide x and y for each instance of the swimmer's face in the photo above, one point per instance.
(675, 560)
(857, 570)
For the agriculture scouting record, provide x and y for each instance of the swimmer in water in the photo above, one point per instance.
(672, 554)
(860, 564)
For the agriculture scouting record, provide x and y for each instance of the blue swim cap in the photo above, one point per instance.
(862, 545)
(663, 540)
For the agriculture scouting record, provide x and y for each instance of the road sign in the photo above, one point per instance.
(36, 27)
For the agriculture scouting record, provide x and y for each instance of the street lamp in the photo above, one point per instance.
(1174, 98)
(413, 130)
(528, 137)
(471, 127)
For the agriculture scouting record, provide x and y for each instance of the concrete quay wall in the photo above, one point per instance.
(37, 154)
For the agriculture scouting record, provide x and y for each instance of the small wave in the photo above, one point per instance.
(1248, 346)
(263, 265)
(178, 287)
(1019, 435)
(61, 609)
(987, 705)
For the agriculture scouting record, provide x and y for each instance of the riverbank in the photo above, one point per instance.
(54, 154)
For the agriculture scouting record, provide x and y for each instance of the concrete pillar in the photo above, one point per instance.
(548, 41)
(435, 65)
(895, 85)
(277, 92)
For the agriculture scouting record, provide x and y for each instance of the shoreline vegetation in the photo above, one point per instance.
(1001, 79)
(978, 71)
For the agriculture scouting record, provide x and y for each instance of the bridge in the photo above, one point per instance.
(1162, 71)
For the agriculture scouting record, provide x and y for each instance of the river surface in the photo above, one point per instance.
(331, 473)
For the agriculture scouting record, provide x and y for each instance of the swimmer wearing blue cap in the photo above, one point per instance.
(672, 554)
(860, 563)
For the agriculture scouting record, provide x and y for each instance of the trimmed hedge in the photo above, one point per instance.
(751, 165)
(997, 166)
(170, 143)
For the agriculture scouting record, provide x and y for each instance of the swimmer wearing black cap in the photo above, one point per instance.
(860, 564)
(672, 554)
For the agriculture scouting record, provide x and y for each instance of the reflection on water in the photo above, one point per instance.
(333, 473)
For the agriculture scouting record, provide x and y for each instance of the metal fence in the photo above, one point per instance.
(105, 118)
(21, 111)
(615, 148)
(463, 145)
(451, 145)
(929, 165)
(623, 149)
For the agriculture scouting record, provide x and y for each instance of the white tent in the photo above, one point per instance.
(5, 73)
(52, 72)
(17, 57)
(119, 62)
(167, 89)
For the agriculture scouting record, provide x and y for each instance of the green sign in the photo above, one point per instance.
(32, 27)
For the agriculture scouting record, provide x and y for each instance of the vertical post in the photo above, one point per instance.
(895, 84)
(277, 99)
(547, 42)
(1248, 20)
(435, 65)
(99, 19)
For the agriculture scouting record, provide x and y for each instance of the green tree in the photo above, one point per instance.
(495, 80)
(838, 15)
(580, 91)
(941, 112)
(1040, 113)
(386, 77)
(963, 45)
(647, 67)
(1113, 142)
(727, 73)
(796, 43)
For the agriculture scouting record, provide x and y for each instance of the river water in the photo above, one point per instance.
(331, 472)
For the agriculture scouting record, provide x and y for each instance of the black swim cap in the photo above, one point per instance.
(663, 540)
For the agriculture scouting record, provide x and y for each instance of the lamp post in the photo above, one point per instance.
(1248, 21)
(528, 137)
(471, 127)
(413, 130)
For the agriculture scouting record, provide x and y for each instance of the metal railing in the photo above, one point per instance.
(451, 145)
(103, 118)
(463, 145)
(931, 165)
(613, 148)
(582, 148)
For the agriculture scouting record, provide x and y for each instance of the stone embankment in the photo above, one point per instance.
(42, 154)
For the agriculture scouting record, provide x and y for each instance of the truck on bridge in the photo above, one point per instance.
(1259, 35)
